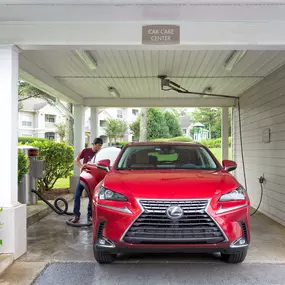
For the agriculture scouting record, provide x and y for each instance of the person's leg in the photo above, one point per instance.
(89, 215)
(76, 208)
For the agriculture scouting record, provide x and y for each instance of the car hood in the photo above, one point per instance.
(173, 184)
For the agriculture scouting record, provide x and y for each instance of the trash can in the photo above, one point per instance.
(29, 182)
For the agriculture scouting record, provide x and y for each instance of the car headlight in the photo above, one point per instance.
(107, 194)
(235, 195)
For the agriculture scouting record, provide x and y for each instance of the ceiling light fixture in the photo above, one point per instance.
(113, 92)
(234, 58)
(207, 89)
(87, 58)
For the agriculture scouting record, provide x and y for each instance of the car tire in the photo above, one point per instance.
(237, 257)
(104, 258)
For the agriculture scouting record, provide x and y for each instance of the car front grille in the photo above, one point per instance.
(154, 226)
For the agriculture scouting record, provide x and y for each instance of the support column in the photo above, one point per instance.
(94, 123)
(143, 125)
(13, 218)
(225, 133)
(79, 141)
(69, 126)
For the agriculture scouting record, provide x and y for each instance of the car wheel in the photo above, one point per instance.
(234, 257)
(102, 257)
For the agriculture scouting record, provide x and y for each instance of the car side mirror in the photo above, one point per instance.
(104, 164)
(229, 165)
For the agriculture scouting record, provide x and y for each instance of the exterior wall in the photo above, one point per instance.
(126, 114)
(39, 127)
(26, 124)
(263, 107)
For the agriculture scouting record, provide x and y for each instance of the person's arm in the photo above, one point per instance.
(78, 158)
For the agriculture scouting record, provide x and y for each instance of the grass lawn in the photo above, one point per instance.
(218, 153)
(61, 183)
(64, 182)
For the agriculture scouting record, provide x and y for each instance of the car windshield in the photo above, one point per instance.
(166, 157)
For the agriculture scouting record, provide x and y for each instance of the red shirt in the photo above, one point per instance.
(87, 154)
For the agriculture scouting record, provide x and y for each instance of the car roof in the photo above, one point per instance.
(163, 143)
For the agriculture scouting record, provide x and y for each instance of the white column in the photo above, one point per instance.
(79, 133)
(225, 133)
(94, 123)
(143, 125)
(79, 141)
(13, 217)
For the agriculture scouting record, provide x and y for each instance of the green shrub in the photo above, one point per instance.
(176, 139)
(217, 143)
(58, 159)
(23, 166)
(119, 143)
(28, 140)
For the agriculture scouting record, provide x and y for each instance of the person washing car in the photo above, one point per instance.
(86, 155)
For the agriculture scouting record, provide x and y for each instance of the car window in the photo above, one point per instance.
(106, 153)
(166, 157)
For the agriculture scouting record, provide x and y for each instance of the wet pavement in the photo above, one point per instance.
(52, 239)
(68, 251)
(162, 274)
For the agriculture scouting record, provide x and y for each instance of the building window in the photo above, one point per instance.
(26, 123)
(185, 131)
(50, 118)
(135, 112)
(120, 114)
(102, 123)
(50, 136)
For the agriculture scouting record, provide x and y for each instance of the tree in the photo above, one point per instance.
(61, 130)
(156, 125)
(121, 129)
(27, 91)
(212, 119)
(173, 124)
(179, 112)
(135, 128)
(115, 129)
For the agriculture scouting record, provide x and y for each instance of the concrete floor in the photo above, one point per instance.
(51, 240)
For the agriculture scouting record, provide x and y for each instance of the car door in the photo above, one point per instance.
(92, 175)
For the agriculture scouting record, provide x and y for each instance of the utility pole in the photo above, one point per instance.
(143, 125)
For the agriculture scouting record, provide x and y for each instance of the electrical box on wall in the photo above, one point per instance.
(266, 136)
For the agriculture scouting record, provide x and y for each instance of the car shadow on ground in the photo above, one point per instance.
(169, 258)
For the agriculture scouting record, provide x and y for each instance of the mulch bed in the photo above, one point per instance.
(55, 193)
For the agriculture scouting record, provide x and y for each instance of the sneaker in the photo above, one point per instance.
(89, 219)
(74, 220)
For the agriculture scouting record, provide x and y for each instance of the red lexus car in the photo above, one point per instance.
(166, 197)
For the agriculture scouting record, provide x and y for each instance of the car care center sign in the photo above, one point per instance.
(161, 35)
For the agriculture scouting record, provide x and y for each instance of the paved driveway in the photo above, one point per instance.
(162, 274)
(65, 253)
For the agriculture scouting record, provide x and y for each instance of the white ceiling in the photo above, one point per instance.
(134, 72)
(141, 2)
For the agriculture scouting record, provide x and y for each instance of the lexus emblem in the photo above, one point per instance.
(174, 212)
